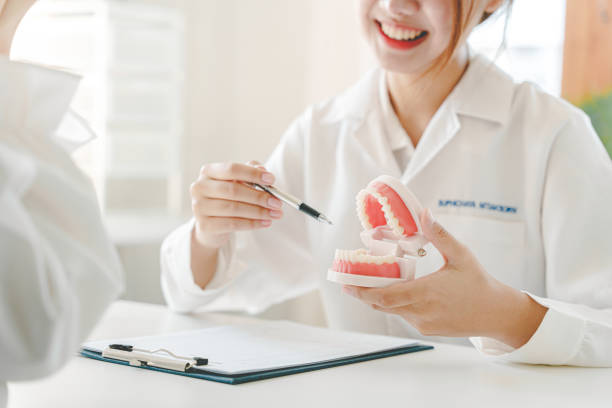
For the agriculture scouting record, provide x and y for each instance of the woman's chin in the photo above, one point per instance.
(410, 65)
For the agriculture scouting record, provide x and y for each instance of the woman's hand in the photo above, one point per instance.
(222, 203)
(460, 299)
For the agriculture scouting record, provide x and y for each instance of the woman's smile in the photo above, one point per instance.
(400, 37)
(408, 37)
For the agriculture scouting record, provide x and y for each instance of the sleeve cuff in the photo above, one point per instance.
(222, 276)
(182, 262)
(179, 288)
(555, 342)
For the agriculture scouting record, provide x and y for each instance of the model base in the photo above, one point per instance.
(361, 280)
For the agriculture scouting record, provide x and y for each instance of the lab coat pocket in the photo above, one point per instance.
(499, 245)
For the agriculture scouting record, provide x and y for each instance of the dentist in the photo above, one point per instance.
(518, 186)
(58, 270)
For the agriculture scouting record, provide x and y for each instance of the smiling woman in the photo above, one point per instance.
(452, 127)
(453, 19)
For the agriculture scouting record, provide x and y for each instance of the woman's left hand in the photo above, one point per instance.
(460, 299)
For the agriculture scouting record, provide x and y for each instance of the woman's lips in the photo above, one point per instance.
(399, 37)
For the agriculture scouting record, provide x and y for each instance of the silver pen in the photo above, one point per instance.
(294, 202)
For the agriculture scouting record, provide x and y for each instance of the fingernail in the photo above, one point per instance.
(274, 203)
(265, 223)
(275, 214)
(429, 219)
(267, 178)
(347, 290)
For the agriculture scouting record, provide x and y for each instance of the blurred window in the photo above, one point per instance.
(130, 55)
(534, 48)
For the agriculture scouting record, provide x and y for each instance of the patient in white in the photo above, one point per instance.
(58, 270)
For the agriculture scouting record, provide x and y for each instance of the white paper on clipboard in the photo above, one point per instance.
(261, 346)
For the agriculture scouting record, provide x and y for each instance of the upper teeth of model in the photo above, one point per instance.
(399, 33)
(391, 219)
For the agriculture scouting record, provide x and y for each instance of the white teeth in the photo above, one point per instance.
(398, 33)
(361, 214)
(391, 219)
(362, 256)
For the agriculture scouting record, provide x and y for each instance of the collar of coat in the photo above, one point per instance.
(484, 92)
(35, 102)
(33, 98)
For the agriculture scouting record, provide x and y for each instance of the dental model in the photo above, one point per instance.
(389, 214)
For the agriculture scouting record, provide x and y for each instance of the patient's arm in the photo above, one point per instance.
(11, 13)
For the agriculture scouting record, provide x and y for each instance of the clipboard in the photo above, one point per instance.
(235, 354)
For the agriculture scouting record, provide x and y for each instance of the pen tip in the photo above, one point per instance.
(325, 219)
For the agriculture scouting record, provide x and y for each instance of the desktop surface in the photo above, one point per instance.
(449, 375)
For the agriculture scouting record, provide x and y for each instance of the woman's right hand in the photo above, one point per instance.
(222, 203)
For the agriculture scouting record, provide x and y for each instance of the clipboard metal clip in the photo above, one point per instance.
(140, 357)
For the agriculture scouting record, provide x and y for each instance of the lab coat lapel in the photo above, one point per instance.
(484, 93)
(359, 108)
(441, 129)
(372, 138)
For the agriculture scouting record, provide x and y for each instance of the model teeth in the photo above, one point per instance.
(362, 256)
(391, 219)
(361, 214)
(399, 33)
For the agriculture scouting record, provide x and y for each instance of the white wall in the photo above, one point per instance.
(252, 67)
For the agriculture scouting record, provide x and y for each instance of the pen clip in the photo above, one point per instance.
(260, 187)
(140, 357)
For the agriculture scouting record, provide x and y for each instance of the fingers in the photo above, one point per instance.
(222, 200)
(255, 163)
(402, 311)
(222, 225)
(415, 316)
(407, 300)
(453, 251)
(396, 295)
(237, 172)
(212, 207)
(233, 191)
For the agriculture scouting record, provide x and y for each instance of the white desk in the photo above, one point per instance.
(447, 376)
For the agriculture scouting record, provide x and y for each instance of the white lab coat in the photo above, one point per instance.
(518, 175)
(58, 270)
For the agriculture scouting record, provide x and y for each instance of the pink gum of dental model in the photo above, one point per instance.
(389, 214)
